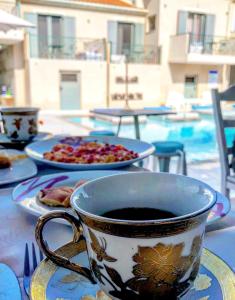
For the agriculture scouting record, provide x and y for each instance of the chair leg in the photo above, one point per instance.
(164, 164)
(224, 190)
(154, 163)
(182, 164)
(184, 169)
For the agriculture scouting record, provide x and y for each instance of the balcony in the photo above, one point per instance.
(45, 47)
(202, 49)
(133, 53)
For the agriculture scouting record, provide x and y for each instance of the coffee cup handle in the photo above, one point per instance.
(77, 237)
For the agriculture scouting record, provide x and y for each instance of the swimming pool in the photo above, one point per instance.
(199, 137)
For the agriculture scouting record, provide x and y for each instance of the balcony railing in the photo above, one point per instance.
(90, 49)
(134, 53)
(208, 44)
(67, 48)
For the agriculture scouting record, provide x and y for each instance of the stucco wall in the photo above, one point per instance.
(151, 38)
(179, 71)
(12, 72)
(148, 85)
(45, 82)
(8, 5)
(89, 24)
(168, 14)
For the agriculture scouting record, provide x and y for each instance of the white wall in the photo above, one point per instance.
(45, 82)
(148, 83)
(12, 71)
(89, 24)
(8, 5)
(168, 14)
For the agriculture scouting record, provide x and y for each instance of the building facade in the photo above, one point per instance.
(197, 45)
(83, 54)
(79, 55)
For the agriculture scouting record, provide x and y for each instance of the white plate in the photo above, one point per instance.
(21, 169)
(25, 193)
(37, 149)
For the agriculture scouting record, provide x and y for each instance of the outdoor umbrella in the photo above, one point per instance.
(9, 21)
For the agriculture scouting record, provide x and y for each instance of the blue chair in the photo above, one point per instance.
(165, 150)
(101, 132)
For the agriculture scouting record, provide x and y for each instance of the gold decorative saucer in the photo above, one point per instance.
(216, 281)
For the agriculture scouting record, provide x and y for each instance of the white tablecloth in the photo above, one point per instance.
(17, 228)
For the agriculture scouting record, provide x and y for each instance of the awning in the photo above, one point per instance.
(9, 21)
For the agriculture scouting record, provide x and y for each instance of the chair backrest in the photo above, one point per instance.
(221, 124)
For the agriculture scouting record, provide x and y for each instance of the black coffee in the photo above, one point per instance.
(138, 214)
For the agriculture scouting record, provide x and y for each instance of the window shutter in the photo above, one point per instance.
(139, 35)
(182, 22)
(209, 33)
(210, 25)
(69, 37)
(112, 35)
(33, 33)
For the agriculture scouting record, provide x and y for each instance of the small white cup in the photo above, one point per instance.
(20, 123)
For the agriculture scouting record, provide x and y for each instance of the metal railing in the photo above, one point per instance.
(134, 53)
(210, 44)
(91, 49)
(67, 48)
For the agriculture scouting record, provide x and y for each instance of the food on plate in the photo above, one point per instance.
(89, 153)
(5, 162)
(58, 196)
(17, 157)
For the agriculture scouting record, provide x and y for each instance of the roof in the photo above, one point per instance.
(121, 3)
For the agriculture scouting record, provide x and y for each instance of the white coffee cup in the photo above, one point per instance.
(148, 259)
(20, 123)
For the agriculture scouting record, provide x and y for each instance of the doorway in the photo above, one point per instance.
(190, 87)
(125, 36)
(70, 90)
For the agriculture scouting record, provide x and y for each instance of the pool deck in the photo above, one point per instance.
(208, 172)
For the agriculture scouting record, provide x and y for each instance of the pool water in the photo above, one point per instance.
(199, 137)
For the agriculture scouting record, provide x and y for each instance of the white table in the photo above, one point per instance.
(17, 228)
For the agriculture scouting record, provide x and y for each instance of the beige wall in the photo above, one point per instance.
(168, 12)
(12, 72)
(89, 24)
(8, 5)
(147, 85)
(179, 71)
(93, 82)
(151, 38)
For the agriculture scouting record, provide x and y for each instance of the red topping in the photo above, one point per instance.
(90, 152)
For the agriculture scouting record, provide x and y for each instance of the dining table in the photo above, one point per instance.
(134, 113)
(18, 227)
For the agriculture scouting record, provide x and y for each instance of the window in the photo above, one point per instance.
(125, 36)
(151, 23)
(42, 36)
(196, 25)
(201, 29)
(50, 35)
(190, 87)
